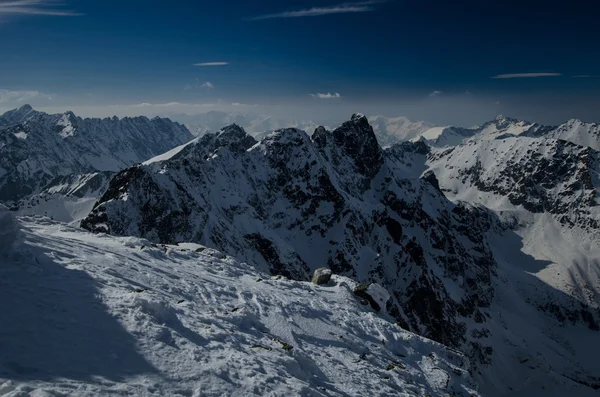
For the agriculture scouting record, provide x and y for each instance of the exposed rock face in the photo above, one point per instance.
(36, 148)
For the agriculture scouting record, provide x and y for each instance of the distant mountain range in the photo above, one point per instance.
(392, 130)
(41, 152)
(254, 124)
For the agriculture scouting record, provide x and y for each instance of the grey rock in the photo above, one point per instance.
(322, 276)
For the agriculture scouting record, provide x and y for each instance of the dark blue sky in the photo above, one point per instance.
(424, 59)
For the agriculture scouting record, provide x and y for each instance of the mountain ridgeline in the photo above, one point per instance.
(37, 148)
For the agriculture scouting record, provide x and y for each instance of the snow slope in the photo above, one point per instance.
(88, 315)
(67, 198)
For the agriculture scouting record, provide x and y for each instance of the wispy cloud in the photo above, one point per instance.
(9, 96)
(582, 76)
(211, 64)
(208, 85)
(168, 105)
(525, 75)
(436, 93)
(326, 96)
(35, 7)
(187, 105)
(344, 8)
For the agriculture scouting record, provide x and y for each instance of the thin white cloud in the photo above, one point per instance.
(525, 75)
(211, 64)
(582, 76)
(244, 105)
(344, 8)
(9, 96)
(186, 105)
(326, 96)
(208, 85)
(34, 7)
(435, 93)
(168, 104)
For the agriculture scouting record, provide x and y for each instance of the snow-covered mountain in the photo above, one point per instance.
(546, 189)
(576, 131)
(499, 127)
(36, 148)
(539, 175)
(391, 130)
(470, 272)
(88, 315)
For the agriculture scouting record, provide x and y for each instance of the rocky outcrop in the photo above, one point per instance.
(322, 276)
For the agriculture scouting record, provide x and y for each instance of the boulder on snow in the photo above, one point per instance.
(375, 294)
(322, 276)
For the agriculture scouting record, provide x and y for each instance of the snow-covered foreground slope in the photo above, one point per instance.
(88, 315)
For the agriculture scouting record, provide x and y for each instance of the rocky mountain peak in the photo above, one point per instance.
(358, 117)
(355, 139)
(18, 116)
(25, 108)
(503, 121)
(232, 130)
(234, 137)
